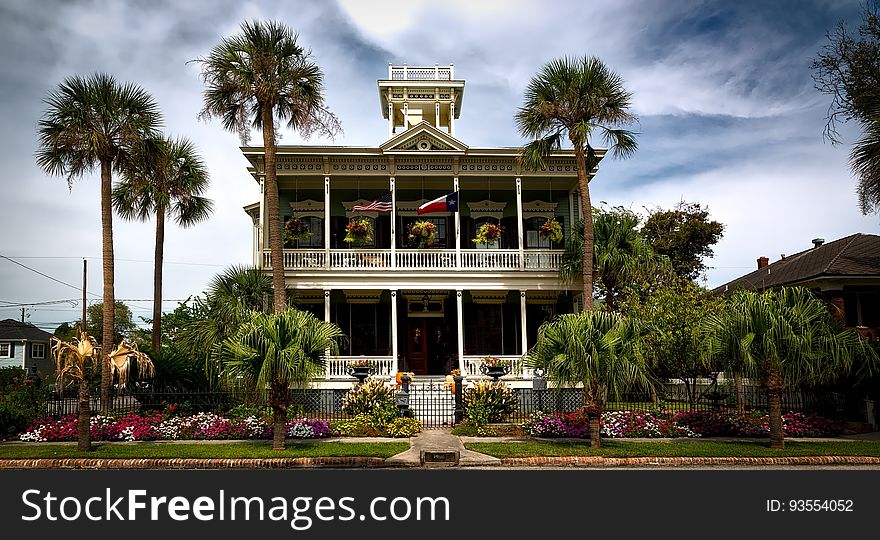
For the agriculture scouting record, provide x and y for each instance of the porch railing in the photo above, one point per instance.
(337, 366)
(470, 366)
(532, 260)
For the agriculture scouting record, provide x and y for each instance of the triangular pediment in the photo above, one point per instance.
(421, 138)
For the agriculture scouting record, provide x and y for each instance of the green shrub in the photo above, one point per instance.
(373, 398)
(362, 425)
(244, 411)
(487, 402)
(22, 401)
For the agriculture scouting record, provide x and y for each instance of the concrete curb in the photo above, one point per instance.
(338, 462)
(600, 461)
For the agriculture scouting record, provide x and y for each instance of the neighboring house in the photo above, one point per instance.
(845, 272)
(432, 309)
(25, 346)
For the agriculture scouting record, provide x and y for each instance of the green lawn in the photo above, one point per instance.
(183, 450)
(685, 448)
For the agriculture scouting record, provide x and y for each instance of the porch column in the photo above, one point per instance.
(390, 117)
(519, 221)
(327, 223)
(261, 226)
(327, 320)
(393, 222)
(394, 351)
(460, 317)
(452, 116)
(457, 224)
(522, 318)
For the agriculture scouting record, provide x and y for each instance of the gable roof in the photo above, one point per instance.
(10, 329)
(857, 255)
(410, 141)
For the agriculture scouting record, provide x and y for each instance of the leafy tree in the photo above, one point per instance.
(94, 122)
(166, 178)
(577, 98)
(847, 68)
(253, 79)
(783, 338)
(123, 324)
(600, 350)
(685, 235)
(620, 254)
(674, 310)
(276, 351)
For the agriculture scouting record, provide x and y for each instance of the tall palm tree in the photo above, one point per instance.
(600, 350)
(783, 338)
(577, 98)
(276, 351)
(620, 254)
(253, 79)
(865, 158)
(167, 179)
(93, 122)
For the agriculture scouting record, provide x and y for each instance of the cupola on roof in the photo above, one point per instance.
(411, 95)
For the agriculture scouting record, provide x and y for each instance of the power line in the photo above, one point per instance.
(125, 260)
(45, 275)
(72, 301)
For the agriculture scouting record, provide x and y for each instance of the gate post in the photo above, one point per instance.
(403, 396)
(459, 409)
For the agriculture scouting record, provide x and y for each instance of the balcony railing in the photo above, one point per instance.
(471, 367)
(420, 73)
(337, 366)
(442, 260)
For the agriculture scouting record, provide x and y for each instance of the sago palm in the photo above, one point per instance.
(253, 79)
(578, 99)
(166, 179)
(783, 338)
(94, 122)
(600, 350)
(75, 362)
(273, 352)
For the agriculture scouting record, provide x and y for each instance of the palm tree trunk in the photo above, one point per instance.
(84, 436)
(157, 279)
(108, 271)
(595, 440)
(587, 210)
(740, 393)
(273, 217)
(279, 429)
(775, 385)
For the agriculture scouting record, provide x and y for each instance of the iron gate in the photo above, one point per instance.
(432, 403)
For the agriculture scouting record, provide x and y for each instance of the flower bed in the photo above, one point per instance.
(629, 424)
(161, 427)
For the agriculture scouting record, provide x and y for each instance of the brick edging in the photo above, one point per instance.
(601, 461)
(193, 463)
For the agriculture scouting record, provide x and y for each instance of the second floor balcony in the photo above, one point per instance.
(437, 260)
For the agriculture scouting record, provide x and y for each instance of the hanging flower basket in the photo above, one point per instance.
(552, 231)
(422, 233)
(488, 233)
(296, 230)
(358, 232)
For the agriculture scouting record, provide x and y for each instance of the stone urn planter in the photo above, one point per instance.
(360, 371)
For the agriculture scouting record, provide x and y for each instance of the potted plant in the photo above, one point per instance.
(488, 233)
(422, 233)
(359, 231)
(551, 230)
(494, 367)
(295, 230)
(360, 369)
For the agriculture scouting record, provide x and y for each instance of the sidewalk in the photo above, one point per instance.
(436, 440)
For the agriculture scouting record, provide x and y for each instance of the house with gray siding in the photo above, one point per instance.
(25, 346)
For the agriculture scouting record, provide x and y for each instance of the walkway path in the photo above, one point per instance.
(440, 440)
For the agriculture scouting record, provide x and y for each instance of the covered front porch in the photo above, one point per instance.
(431, 332)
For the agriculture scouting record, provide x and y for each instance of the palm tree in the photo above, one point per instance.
(253, 79)
(600, 350)
(75, 362)
(865, 158)
(620, 256)
(783, 338)
(229, 301)
(166, 179)
(575, 97)
(93, 122)
(276, 351)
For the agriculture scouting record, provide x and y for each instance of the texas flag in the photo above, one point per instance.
(446, 203)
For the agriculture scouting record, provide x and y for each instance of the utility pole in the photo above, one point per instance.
(85, 272)
(22, 314)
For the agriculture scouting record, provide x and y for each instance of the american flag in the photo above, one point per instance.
(381, 203)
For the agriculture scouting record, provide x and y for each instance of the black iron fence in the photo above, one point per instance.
(433, 403)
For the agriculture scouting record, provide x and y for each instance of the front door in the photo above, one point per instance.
(417, 346)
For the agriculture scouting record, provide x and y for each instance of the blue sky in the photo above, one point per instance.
(728, 116)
